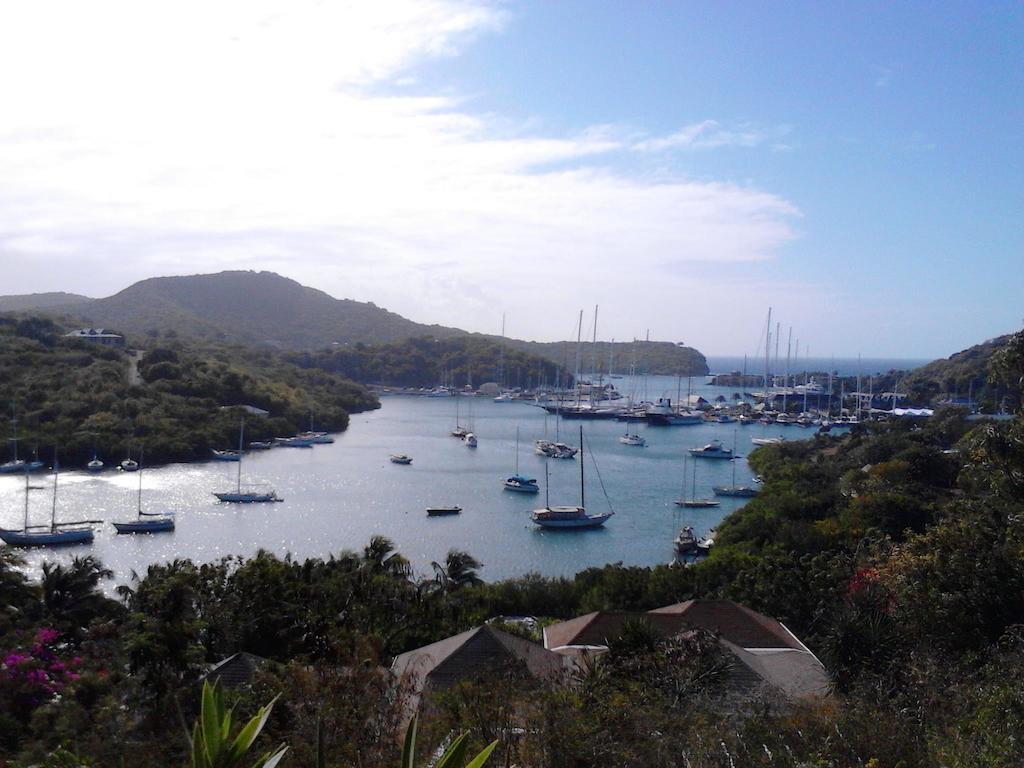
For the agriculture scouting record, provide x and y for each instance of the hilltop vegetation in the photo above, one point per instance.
(661, 358)
(426, 361)
(75, 394)
(265, 309)
(251, 307)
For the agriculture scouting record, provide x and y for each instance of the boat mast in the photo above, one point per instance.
(14, 430)
(53, 509)
(734, 459)
(785, 385)
(579, 340)
(583, 505)
(141, 457)
(241, 437)
(693, 485)
(27, 489)
(547, 485)
(517, 450)
(767, 347)
(807, 356)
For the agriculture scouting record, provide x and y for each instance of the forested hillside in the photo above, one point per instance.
(427, 361)
(75, 395)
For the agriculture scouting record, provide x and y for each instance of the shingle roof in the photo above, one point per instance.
(600, 627)
(235, 670)
(736, 623)
(474, 654)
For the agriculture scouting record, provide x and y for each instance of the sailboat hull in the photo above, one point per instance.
(247, 498)
(145, 526)
(46, 539)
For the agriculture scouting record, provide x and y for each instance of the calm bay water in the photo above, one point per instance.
(337, 496)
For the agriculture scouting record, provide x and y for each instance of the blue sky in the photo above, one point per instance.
(855, 166)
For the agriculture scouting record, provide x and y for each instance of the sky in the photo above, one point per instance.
(685, 166)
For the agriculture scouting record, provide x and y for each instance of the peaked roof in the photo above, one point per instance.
(735, 623)
(599, 627)
(237, 669)
(473, 654)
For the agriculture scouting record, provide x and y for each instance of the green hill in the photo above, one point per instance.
(265, 309)
(31, 301)
(252, 307)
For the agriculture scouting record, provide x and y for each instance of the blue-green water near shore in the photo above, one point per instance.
(337, 496)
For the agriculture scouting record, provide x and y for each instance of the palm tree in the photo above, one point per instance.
(71, 595)
(379, 556)
(459, 570)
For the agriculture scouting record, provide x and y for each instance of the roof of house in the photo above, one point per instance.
(235, 670)
(599, 627)
(474, 654)
(764, 646)
(736, 623)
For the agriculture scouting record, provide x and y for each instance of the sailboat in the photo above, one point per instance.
(15, 464)
(458, 431)
(518, 482)
(742, 491)
(693, 501)
(239, 496)
(145, 522)
(568, 517)
(51, 535)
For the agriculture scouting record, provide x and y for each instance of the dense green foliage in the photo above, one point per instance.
(78, 395)
(662, 358)
(895, 552)
(427, 361)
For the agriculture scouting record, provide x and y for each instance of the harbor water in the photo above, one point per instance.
(337, 496)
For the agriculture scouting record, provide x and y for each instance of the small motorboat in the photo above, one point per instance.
(554, 450)
(633, 440)
(460, 432)
(504, 397)
(261, 445)
(521, 484)
(471, 441)
(94, 465)
(686, 542)
(437, 511)
(316, 438)
(294, 442)
(712, 450)
(767, 440)
(129, 465)
(226, 455)
(400, 458)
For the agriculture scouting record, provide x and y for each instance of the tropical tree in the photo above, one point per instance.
(70, 594)
(459, 570)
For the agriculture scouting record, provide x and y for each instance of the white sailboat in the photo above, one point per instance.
(16, 465)
(145, 522)
(693, 501)
(567, 518)
(51, 535)
(238, 496)
(741, 491)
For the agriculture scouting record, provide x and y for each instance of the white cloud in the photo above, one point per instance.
(711, 134)
(145, 139)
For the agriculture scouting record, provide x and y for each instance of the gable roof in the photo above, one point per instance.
(474, 654)
(735, 623)
(599, 627)
(237, 669)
